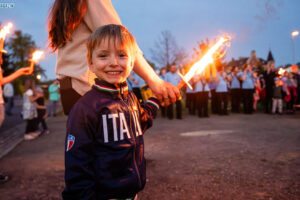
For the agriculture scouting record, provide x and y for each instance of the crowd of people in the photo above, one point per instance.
(235, 89)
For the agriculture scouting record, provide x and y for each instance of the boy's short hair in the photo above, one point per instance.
(115, 32)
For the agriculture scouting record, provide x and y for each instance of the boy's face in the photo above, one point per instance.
(111, 62)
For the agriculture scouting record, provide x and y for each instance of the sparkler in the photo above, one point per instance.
(35, 58)
(281, 71)
(200, 65)
(3, 32)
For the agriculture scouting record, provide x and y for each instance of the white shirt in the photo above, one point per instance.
(8, 90)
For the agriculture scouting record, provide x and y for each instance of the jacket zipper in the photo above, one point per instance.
(134, 139)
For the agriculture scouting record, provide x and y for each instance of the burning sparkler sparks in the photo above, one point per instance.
(5, 30)
(207, 59)
(35, 58)
(281, 71)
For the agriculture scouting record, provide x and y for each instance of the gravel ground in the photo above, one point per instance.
(221, 157)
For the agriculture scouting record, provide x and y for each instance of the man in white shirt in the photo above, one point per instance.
(8, 93)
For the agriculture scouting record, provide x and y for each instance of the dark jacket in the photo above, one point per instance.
(104, 155)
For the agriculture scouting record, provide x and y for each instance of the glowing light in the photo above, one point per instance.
(281, 71)
(5, 30)
(38, 76)
(35, 58)
(37, 55)
(207, 59)
(295, 33)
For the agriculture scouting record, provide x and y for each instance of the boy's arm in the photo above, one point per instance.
(79, 173)
(148, 111)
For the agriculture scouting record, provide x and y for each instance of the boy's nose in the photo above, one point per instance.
(113, 61)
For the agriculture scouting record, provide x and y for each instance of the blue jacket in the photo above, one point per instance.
(104, 155)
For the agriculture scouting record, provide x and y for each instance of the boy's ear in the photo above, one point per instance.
(91, 66)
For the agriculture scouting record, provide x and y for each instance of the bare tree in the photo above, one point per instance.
(166, 50)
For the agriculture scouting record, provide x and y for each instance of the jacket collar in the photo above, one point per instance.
(119, 90)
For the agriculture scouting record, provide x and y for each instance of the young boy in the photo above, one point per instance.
(277, 97)
(104, 156)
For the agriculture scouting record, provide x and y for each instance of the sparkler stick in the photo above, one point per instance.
(200, 65)
(3, 32)
(35, 58)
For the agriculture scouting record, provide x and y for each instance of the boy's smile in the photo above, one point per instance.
(111, 62)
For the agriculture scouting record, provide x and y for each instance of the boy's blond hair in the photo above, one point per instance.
(117, 33)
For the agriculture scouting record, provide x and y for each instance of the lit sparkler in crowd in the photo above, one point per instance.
(35, 58)
(281, 71)
(200, 65)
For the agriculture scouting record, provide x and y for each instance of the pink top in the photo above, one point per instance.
(71, 59)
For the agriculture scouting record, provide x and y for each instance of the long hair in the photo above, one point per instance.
(64, 16)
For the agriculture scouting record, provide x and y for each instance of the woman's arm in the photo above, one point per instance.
(162, 89)
(16, 74)
(34, 98)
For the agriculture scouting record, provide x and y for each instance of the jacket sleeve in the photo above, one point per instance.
(79, 173)
(148, 111)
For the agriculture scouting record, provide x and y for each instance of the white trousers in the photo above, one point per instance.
(276, 103)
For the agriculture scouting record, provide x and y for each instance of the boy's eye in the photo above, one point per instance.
(102, 55)
(123, 54)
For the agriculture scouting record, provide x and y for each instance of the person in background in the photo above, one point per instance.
(296, 73)
(235, 89)
(4, 80)
(214, 100)
(277, 96)
(257, 88)
(247, 88)
(137, 83)
(41, 110)
(173, 78)
(8, 92)
(291, 96)
(191, 96)
(269, 76)
(222, 91)
(202, 91)
(29, 111)
(53, 97)
(70, 24)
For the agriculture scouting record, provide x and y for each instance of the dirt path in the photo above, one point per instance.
(222, 157)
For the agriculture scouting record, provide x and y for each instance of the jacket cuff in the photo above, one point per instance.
(153, 101)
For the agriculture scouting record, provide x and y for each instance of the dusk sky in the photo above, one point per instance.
(255, 24)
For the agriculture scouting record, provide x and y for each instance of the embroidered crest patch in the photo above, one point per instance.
(70, 142)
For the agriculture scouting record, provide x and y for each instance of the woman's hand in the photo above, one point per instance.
(165, 92)
(25, 71)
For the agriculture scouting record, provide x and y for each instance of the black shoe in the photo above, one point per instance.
(3, 178)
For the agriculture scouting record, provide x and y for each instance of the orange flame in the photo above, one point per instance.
(37, 55)
(281, 71)
(208, 58)
(5, 30)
